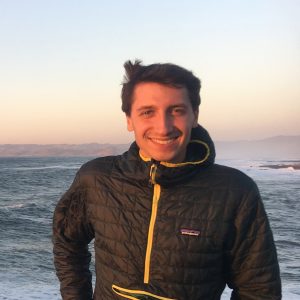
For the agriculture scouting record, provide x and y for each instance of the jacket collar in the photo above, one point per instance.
(200, 154)
(200, 150)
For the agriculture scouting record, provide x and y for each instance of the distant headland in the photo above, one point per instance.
(277, 148)
(61, 150)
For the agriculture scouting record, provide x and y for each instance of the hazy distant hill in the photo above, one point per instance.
(62, 150)
(279, 147)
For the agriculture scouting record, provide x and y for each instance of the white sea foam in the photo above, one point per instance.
(12, 206)
(291, 168)
(44, 168)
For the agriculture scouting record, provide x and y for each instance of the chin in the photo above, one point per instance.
(164, 158)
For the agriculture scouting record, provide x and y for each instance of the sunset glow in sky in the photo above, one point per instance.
(61, 65)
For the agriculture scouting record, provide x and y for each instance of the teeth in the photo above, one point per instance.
(163, 142)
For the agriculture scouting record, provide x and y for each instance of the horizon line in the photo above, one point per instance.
(109, 143)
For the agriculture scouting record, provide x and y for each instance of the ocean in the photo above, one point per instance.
(31, 187)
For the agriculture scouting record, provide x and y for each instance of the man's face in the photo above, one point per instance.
(162, 119)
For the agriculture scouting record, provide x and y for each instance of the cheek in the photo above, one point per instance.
(186, 124)
(139, 129)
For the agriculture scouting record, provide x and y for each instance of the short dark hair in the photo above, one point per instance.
(167, 74)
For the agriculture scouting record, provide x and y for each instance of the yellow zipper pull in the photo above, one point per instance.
(153, 170)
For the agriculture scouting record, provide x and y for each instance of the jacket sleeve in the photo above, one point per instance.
(253, 270)
(71, 236)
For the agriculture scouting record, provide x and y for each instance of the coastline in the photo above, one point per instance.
(292, 166)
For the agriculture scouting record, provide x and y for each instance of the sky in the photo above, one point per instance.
(61, 65)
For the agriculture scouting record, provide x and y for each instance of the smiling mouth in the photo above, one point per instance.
(164, 141)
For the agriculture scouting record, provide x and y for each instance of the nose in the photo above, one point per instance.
(164, 124)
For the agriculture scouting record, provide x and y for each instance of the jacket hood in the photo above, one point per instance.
(200, 154)
(201, 147)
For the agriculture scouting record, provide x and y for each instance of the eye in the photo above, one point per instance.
(178, 111)
(147, 113)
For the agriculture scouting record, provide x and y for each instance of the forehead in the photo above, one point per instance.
(151, 93)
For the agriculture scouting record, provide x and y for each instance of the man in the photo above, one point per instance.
(168, 223)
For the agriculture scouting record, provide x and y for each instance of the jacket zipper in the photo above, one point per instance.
(155, 200)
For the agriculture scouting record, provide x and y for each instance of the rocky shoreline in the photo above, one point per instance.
(294, 166)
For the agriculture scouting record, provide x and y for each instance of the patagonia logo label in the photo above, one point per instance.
(186, 231)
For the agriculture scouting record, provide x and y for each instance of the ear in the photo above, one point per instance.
(129, 123)
(196, 114)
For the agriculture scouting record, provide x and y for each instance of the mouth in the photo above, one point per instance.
(163, 141)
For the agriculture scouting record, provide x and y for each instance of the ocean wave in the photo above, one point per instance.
(12, 206)
(61, 167)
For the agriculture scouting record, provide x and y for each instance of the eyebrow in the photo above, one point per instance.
(153, 106)
(145, 107)
(178, 105)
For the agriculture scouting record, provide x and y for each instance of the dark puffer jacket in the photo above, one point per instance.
(164, 231)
